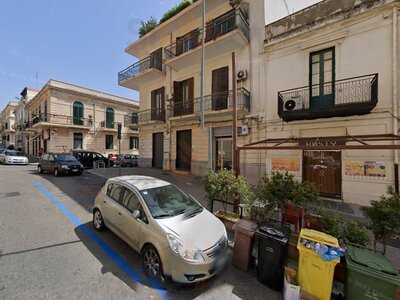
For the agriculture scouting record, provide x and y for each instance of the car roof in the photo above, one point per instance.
(141, 182)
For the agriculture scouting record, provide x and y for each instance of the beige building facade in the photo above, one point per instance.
(321, 75)
(7, 124)
(332, 70)
(63, 117)
(168, 78)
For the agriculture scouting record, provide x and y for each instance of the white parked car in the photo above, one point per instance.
(12, 157)
(177, 238)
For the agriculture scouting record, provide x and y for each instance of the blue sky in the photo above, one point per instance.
(78, 41)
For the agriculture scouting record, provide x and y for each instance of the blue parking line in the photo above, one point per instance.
(121, 263)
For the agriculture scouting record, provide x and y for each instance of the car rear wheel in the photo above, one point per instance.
(98, 221)
(152, 264)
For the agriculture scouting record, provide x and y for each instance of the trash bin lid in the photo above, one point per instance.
(319, 237)
(276, 231)
(370, 259)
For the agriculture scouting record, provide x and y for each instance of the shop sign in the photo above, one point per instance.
(365, 168)
(285, 164)
(320, 143)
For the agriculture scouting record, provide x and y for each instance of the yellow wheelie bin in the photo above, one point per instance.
(316, 273)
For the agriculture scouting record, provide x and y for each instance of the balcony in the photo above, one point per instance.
(224, 34)
(151, 116)
(346, 97)
(132, 121)
(53, 120)
(142, 71)
(215, 106)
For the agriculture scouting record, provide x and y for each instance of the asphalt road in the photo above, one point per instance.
(49, 250)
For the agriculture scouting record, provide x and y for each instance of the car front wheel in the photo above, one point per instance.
(56, 172)
(98, 221)
(152, 263)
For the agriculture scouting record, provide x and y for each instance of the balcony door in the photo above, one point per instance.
(322, 80)
(220, 88)
(158, 104)
(183, 97)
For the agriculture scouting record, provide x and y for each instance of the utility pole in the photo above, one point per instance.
(203, 58)
(234, 117)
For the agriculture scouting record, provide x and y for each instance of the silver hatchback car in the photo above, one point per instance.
(177, 238)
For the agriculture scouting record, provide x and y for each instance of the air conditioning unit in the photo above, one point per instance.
(293, 103)
(242, 75)
(243, 130)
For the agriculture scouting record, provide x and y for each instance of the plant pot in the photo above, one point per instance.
(293, 214)
(229, 219)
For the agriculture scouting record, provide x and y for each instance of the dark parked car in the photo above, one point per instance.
(59, 164)
(127, 160)
(89, 159)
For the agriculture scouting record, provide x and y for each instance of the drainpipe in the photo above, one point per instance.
(395, 103)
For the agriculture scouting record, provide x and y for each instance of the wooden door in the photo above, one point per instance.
(220, 88)
(158, 105)
(158, 150)
(324, 170)
(184, 150)
(183, 97)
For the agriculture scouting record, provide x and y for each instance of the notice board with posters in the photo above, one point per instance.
(359, 168)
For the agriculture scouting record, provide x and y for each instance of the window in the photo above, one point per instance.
(78, 113)
(133, 142)
(114, 191)
(109, 142)
(132, 203)
(109, 117)
(322, 75)
(78, 140)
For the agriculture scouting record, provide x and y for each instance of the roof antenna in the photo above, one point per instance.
(287, 6)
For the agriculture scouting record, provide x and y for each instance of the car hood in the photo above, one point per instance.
(199, 232)
(69, 163)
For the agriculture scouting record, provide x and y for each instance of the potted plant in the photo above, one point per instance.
(384, 217)
(227, 190)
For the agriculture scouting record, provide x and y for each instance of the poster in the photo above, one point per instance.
(285, 164)
(354, 168)
(375, 169)
(365, 168)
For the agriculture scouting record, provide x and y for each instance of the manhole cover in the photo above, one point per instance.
(12, 194)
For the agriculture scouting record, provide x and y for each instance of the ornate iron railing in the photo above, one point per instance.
(153, 61)
(213, 102)
(350, 96)
(131, 120)
(234, 19)
(149, 115)
(58, 120)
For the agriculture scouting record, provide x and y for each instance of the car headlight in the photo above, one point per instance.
(64, 167)
(190, 255)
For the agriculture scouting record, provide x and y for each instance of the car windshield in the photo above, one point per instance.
(65, 157)
(13, 153)
(168, 201)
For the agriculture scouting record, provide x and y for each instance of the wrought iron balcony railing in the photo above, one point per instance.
(131, 120)
(154, 61)
(346, 97)
(213, 102)
(150, 115)
(234, 19)
(59, 120)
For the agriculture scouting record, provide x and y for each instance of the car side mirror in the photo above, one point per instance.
(136, 214)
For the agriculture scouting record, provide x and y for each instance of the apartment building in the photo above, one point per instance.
(64, 117)
(179, 129)
(21, 118)
(7, 124)
(330, 80)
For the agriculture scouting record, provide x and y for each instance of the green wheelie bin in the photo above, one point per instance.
(370, 275)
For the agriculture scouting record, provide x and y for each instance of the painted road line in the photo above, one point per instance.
(121, 263)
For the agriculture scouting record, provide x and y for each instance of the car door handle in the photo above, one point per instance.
(120, 214)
